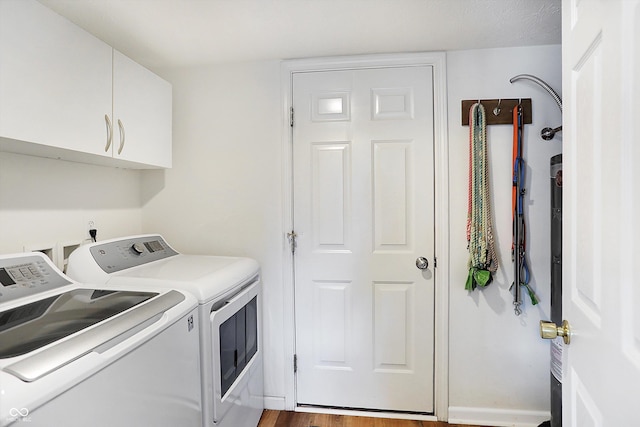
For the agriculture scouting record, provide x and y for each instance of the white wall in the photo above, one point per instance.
(223, 195)
(45, 201)
(498, 363)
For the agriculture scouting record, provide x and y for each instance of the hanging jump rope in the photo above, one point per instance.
(518, 247)
(480, 243)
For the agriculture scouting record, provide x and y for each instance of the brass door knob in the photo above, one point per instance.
(549, 331)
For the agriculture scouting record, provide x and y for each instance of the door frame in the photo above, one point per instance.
(437, 60)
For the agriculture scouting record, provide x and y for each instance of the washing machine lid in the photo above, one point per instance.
(41, 336)
(29, 327)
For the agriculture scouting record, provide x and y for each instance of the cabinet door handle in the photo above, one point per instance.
(109, 132)
(122, 136)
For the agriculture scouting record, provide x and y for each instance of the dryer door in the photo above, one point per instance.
(234, 340)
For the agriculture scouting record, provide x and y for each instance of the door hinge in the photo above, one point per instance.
(291, 236)
(435, 262)
(291, 116)
(295, 363)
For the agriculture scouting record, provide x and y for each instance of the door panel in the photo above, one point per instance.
(393, 346)
(331, 164)
(363, 212)
(393, 228)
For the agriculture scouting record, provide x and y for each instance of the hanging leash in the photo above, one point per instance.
(518, 247)
(480, 242)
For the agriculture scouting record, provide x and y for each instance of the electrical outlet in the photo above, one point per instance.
(92, 230)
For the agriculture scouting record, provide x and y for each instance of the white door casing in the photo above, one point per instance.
(363, 212)
(437, 61)
(601, 231)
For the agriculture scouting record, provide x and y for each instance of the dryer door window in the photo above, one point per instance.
(238, 343)
(252, 327)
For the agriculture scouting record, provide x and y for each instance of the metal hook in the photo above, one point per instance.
(516, 308)
(497, 110)
(547, 133)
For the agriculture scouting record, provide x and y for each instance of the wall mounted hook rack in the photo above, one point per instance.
(505, 116)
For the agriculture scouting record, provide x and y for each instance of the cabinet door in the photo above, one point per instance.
(142, 114)
(55, 80)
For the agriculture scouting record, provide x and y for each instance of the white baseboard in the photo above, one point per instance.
(497, 417)
(274, 402)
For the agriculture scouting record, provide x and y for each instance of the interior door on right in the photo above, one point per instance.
(601, 225)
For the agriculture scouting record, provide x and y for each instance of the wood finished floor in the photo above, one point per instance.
(302, 419)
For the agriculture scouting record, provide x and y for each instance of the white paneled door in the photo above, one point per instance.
(601, 237)
(364, 213)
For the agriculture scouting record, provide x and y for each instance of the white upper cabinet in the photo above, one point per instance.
(55, 80)
(141, 114)
(66, 94)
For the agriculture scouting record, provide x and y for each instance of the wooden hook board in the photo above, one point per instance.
(506, 110)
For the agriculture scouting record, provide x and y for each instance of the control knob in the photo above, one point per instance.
(137, 248)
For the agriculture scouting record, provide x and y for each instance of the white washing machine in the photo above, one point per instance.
(229, 293)
(74, 355)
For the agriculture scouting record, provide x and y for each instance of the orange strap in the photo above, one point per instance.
(514, 190)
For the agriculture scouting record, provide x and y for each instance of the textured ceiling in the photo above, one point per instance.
(176, 33)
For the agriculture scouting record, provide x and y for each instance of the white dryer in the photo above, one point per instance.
(76, 355)
(229, 293)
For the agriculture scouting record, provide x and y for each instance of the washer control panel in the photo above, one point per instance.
(127, 253)
(28, 274)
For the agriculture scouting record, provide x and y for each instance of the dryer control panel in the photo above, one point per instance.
(127, 253)
(28, 274)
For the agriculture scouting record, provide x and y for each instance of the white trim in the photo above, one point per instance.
(274, 403)
(441, 194)
(288, 308)
(497, 417)
(437, 60)
(370, 414)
